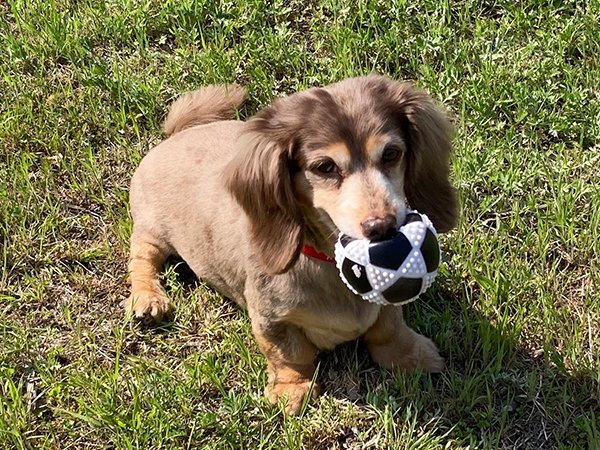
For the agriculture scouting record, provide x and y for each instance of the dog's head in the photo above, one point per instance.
(349, 157)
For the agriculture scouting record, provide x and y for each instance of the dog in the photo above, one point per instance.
(254, 208)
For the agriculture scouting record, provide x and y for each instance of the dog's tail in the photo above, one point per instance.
(207, 104)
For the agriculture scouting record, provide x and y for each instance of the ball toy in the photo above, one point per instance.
(393, 271)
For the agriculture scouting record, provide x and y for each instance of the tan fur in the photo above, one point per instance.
(338, 152)
(206, 105)
(238, 200)
(362, 195)
(147, 297)
(374, 146)
(393, 345)
(290, 367)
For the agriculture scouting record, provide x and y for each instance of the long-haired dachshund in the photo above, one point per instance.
(255, 208)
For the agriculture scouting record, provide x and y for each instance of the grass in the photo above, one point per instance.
(516, 309)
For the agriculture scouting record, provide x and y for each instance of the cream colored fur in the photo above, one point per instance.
(182, 205)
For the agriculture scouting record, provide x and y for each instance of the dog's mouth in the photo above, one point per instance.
(321, 230)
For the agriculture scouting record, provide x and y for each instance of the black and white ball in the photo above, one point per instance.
(394, 271)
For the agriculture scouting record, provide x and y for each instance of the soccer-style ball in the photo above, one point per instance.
(394, 271)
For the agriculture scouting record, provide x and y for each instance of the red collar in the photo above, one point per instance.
(314, 253)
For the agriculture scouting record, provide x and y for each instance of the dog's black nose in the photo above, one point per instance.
(378, 228)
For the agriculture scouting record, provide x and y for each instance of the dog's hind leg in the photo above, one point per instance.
(148, 300)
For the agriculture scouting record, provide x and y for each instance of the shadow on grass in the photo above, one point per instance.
(493, 394)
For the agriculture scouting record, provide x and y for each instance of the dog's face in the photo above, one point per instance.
(350, 157)
(356, 185)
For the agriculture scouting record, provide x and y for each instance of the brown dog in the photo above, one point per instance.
(239, 201)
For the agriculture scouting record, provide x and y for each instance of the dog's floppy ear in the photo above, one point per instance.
(429, 132)
(260, 179)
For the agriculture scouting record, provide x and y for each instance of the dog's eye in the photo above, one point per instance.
(390, 154)
(327, 168)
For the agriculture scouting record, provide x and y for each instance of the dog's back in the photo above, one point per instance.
(177, 197)
(205, 105)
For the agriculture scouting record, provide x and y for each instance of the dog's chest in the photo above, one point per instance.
(326, 331)
(329, 313)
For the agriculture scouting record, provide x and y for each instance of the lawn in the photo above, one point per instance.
(84, 87)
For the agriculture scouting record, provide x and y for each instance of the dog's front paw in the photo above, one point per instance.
(422, 354)
(148, 305)
(426, 356)
(293, 394)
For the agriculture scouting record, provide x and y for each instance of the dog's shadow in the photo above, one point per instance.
(492, 386)
(494, 392)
